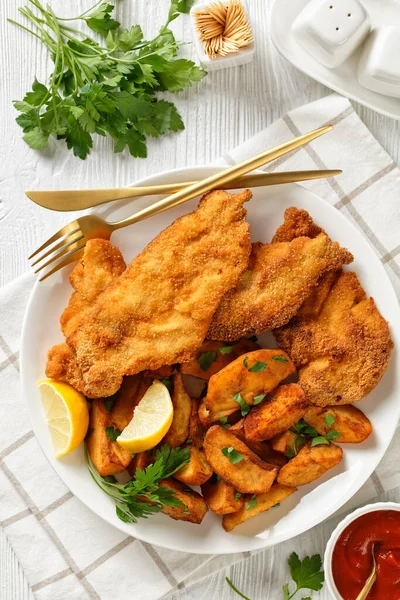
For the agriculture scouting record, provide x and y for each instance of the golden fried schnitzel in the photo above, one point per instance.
(159, 310)
(277, 281)
(342, 352)
(100, 265)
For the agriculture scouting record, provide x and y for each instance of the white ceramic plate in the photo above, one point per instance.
(312, 503)
(343, 79)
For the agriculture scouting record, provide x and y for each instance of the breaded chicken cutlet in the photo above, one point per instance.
(279, 278)
(338, 340)
(159, 310)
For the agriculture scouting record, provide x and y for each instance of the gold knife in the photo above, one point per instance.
(72, 200)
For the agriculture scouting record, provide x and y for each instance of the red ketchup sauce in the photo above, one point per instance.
(352, 558)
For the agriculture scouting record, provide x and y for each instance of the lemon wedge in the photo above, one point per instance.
(150, 422)
(67, 415)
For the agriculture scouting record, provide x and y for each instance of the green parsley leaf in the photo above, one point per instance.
(290, 453)
(252, 502)
(109, 402)
(319, 440)
(286, 592)
(306, 573)
(244, 407)
(189, 441)
(280, 358)
(179, 6)
(100, 21)
(258, 366)
(226, 349)
(232, 454)
(37, 96)
(223, 421)
(135, 142)
(303, 428)
(276, 505)
(234, 588)
(36, 139)
(332, 435)
(206, 359)
(113, 432)
(329, 419)
(258, 399)
(237, 496)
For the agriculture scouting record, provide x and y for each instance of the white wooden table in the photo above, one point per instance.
(223, 111)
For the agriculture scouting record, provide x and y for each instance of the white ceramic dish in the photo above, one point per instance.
(338, 531)
(312, 503)
(344, 78)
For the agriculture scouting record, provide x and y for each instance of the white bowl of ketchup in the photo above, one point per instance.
(348, 558)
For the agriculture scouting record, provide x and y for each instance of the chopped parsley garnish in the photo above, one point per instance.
(142, 496)
(252, 502)
(225, 349)
(238, 495)
(304, 431)
(113, 432)
(258, 399)
(276, 505)
(109, 402)
(188, 490)
(206, 359)
(223, 421)
(280, 358)
(233, 456)
(214, 479)
(258, 366)
(329, 419)
(244, 407)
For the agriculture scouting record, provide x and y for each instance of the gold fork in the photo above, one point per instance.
(74, 236)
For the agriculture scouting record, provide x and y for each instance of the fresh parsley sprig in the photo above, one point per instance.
(306, 574)
(106, 88)
(143, 495)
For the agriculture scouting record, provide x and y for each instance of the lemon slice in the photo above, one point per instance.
(67, 415)
(150, 422)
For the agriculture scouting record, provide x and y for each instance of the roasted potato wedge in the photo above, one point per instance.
(262, 449)
(127, 398)
(197, 471)
(249, 474)
(265, 501)
(107, 456)
(283, 441)
(282, 409)
(178, 433)
(270, 367)
(196, 367)
(309, 464)
(196, 428)
(195, 507)
(221, 497)
(141, 460)
(350, 422)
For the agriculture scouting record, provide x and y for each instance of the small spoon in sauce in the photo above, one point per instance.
(371, 579)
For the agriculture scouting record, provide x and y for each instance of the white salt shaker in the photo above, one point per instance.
(379, 66)
(331, 30)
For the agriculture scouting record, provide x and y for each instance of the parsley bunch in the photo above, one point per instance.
(106, 88)
(143, 495)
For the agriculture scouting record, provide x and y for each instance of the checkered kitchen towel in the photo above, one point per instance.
(66, 551)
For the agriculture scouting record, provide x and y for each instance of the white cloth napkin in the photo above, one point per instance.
(66, 551)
